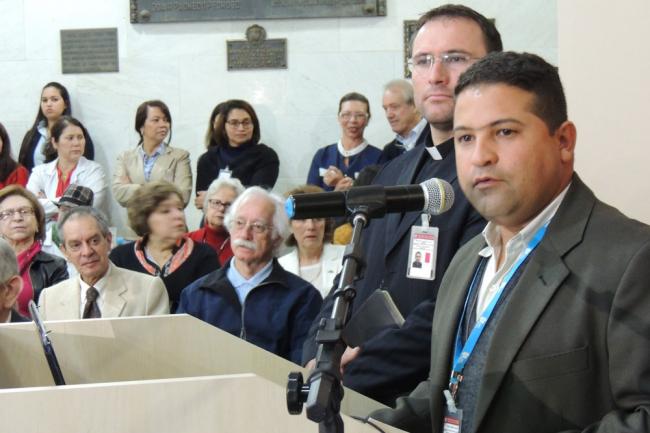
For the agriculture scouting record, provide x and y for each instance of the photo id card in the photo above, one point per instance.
(422, 253)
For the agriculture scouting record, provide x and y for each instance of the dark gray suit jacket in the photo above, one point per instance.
(572, 350)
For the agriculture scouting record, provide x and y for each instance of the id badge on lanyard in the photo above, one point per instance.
(423, 249)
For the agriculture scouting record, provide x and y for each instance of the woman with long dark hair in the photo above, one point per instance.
(36, 147)
(11, 173)
(234, 150)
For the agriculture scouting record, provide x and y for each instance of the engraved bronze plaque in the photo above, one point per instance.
(257, 52)
(164, 11)
(89, 50)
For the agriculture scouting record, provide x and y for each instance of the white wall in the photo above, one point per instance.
(605, 64)
(184, 64)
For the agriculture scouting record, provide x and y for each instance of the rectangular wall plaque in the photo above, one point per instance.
(267, 54)
(89, 50)
(162, 11)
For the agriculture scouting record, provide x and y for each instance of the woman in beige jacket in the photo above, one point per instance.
(153, 158)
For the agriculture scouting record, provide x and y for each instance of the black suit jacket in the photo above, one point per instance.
(571, 351)
(386, 245)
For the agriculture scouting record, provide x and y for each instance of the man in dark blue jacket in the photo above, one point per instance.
(252, 296)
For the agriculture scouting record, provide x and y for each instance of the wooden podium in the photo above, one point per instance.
(148, 356)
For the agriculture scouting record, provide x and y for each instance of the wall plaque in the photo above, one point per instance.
(163, 11)
(257, 52)
(409, 31)
(89, 50)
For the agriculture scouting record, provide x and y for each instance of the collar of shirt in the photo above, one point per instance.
(354, 151)
(492, 277)
(242, 285)
(410, 139)
(99, 285)
(150, 160)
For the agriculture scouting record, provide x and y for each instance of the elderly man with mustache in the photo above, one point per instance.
(252, 296)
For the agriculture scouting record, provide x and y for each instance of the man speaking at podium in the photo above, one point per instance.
(541, 323)
(101, 289)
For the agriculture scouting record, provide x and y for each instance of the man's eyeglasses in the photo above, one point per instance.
(216, 204)
(258, 227)
(356, 116)
(451, 61)
(246, 123)
(23, 211)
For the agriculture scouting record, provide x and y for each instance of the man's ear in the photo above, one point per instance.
(566, 136)
(11, 291)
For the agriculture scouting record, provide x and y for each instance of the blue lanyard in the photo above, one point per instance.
(462, 353)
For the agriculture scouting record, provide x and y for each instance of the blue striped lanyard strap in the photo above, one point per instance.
(462, 352)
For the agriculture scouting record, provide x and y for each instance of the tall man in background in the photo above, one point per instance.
(403, 116)
(448, 40)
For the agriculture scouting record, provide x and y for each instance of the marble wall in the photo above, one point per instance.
(184, 64)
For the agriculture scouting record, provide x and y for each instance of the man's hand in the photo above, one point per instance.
(350, 354)
(311, 364)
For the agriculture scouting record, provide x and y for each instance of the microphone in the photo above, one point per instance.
(433, 196)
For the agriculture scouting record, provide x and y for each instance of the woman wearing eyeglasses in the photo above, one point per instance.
(234, 150)
(220, 195)
(334, 167)
(153, 158)
(22, 225)
(156, 214)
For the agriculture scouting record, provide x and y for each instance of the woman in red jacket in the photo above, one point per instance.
(10, 171)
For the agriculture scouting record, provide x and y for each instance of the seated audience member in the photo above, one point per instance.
(10, 285)
(219, 197)
(22, 225)
(561, 344)
(49, 181)
(403, 116)
(11, 173)
(153, 158)
(279, 305)
(74, 196)
(335, 167)
(36, 147)
(234, 150)
(101, 289)
(313, 257)
(156, 214)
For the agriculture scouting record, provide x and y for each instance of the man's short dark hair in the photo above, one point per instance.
(527, 72)
(491, 35)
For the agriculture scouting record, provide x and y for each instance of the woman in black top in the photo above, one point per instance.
(234, 150)
(156, 214)
(36, 147)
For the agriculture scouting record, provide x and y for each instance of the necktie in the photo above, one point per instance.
(91, 309)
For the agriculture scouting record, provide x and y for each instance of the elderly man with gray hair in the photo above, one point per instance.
(10, 284)
(220, 195)
(101, 289)
(403, 116)
(252, 296)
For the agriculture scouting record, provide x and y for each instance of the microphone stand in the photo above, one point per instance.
(323, 392)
